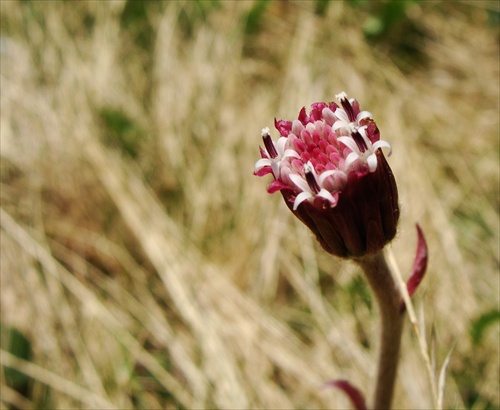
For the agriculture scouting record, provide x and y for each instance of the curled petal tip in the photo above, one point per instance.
(353, 393)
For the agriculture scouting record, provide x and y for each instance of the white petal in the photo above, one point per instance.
(338, 176)
(349, 143)
(263, 162)
(363, 114)
(328, 196)
(341, 115)
(301, 198)
(340, 124)
(297, 127)
(329, 116)
(275, 166)
(382, 144)
(372, 162)
(353, 156)
(280, 145)
(325, 175)
(368, 143)
(310, 127)
(300, 182)
(291, 153)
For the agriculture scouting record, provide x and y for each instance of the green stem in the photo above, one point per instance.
(388, 296)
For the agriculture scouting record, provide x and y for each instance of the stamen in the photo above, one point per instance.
(340, 96)
(360, 142)
(311, 179)
(268, 143)
(346, 105)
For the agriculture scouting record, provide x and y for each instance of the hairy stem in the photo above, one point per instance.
(389, 299)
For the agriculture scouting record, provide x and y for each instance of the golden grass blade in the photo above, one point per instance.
(442, 379)
(55, 381)
(92, 304)
(12, 398)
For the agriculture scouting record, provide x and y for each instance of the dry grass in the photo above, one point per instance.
(148, 268)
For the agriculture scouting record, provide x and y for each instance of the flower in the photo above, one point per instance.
(330, 169)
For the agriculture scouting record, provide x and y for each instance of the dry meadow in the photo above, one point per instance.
(144, 266)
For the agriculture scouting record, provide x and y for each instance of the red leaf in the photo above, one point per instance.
(420, 264)
(355, 396)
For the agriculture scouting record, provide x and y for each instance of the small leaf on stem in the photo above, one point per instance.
(419, 265)
(355, 395)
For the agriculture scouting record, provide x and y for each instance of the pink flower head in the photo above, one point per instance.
(333, 176)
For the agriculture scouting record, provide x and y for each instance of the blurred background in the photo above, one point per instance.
(144, 266)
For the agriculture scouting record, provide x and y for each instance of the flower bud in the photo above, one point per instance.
(333, 176)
